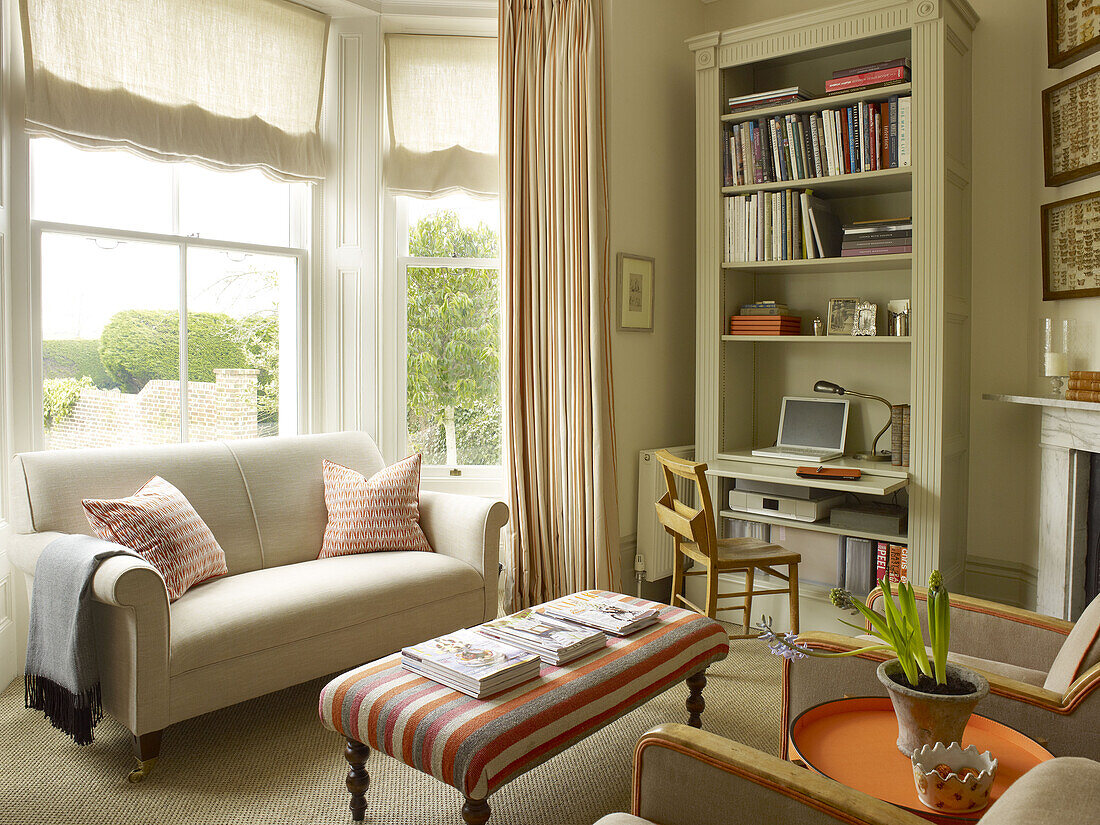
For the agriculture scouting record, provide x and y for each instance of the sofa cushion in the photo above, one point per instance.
(1020, 674)
(376, 513)
(239, 615)
(1079, 652)
(159, 523)
(1063, 791)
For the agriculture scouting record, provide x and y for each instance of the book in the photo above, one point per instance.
(1083, 384)
(592, 610)
(882, 561)
(904, 113)
(769, 98)
(1082, 395)
(905, 414)
(471, 663)
(891, 562)
(873, 67)
(556, 642)
(890, 225)
(859, 565)
(896, 249)
(878, 239)
(1084, 374)
(896, 416)
(897, 74)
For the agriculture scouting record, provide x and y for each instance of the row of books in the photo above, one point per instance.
(899, 434)
(501, 654)
(890, 236)
(1084, 385)
(789, 224)
(863, 562)
(852, 78)
(765, 325)
(859, 138)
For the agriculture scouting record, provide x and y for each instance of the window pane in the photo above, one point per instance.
(240, 317)
(110, 342)
(234, 206)
(113, 189)
(454, 226)
(453, 363)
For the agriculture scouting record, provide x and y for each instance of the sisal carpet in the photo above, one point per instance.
(270, 761)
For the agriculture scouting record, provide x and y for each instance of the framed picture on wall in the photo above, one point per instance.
(1073, 30)
(1071, 247)
(1071, 128)
(635, 292)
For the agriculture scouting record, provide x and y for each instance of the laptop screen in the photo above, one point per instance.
(813, 422)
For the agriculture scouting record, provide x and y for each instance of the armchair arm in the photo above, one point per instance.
(684, 776)
(1000, 632)
(467, 528)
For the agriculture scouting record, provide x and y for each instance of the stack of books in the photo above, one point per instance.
(1083, 386)
(863, 137)
(787, 225)
(774, 97)
(868, 76)
(890, 236)
(556, 642)
(471, 663)
(765, 325)
(765, 308)
(899, 435)
(891, 562)
(609, 615)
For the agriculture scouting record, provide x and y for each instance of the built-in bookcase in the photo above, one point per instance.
(741, 380)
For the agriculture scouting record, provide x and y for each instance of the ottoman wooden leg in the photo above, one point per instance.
(475, 811)
(358, 781)
(695, 702)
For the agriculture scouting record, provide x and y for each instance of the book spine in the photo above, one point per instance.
(849, 252)
(853, 136)
(882, 561)
(894, 132)
(896, 414)
(857, 81)
(757, 153)
(777, 139)
(789, 146)
(872, 67)
(827, 130)
(738, 156)
(763, 145)
(1082, 395)
(728, 165)
(861, 116)
(905, 417)
(1088, 375)
(876, 135)
(884, 134)
(1084, 384)
(866, 242)
(744, 154)
(795, 211)
(815, 146)
(806, 137)
(904, 113)
(899, 235)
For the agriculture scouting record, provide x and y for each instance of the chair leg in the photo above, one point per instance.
(749, 576)
(677, 575)
(146, 749)
(792, 581)
(712, 592)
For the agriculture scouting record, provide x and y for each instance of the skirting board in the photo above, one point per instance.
(1002, 581)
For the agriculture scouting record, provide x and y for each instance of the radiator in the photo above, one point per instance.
(654, 542)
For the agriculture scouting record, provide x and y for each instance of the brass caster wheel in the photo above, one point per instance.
(143, 769)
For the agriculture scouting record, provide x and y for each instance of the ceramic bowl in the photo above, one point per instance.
(953, 778)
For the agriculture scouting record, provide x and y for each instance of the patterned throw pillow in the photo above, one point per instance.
(379, 513)
(159, 523)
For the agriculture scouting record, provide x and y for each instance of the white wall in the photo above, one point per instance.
(651, 180)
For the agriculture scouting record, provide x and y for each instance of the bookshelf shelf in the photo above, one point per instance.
(878, 182)
(817, 339)
(869, 263)
(819, 103)
(814, 526)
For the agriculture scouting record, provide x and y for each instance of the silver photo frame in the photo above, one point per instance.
(864, 322)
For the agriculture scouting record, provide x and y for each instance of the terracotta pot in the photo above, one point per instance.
(928, 718)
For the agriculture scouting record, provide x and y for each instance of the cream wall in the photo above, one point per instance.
(651, 178)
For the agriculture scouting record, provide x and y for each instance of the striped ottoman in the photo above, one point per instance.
(478, 745)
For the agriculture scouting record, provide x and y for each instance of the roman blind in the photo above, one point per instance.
(443, 99)
(229, 83)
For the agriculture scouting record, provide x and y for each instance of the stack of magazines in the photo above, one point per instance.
(609, 615)
(556, 642)
(472, 663)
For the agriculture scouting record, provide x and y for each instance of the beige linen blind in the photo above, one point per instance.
(231, 84)
(443, 99)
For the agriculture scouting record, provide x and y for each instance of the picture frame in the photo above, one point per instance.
(866, 316)
(842, 316)
(1071, 247)
(635, 281)
(1071, 128)
(1073, 30)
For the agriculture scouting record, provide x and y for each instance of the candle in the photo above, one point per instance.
(1056, 363)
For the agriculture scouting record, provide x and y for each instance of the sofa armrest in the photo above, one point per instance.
(683, 776)
(467, 528)
(25, 548)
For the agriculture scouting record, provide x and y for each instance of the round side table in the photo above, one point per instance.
(853, 741)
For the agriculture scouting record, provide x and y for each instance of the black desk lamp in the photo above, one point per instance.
(836, 389)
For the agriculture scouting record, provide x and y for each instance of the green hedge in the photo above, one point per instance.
(74, 358)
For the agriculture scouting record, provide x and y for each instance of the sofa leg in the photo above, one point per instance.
(146, 750)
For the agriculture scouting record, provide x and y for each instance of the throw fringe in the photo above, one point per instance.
(74, 713)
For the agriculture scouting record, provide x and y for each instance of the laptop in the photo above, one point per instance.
(810, 429)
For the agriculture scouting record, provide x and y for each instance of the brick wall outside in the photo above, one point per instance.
(224, 409)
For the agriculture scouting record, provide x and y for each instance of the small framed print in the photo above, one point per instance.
(1071, 247)
(842, 315)
(1071, 128)
(866, 315)
(1073, 30)
(635, 292)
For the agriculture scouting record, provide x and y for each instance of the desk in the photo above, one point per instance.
(853, 741)
(878, 478)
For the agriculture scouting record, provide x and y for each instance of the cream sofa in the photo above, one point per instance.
(281, 616)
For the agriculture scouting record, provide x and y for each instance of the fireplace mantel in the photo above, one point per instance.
(1068, 431)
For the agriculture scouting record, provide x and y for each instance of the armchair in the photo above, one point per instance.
(1043, 672)
(684, 776)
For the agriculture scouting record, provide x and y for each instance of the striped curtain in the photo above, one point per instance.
(560, 440)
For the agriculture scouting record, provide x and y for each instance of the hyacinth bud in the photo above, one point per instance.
(840, 598)
(935, 580)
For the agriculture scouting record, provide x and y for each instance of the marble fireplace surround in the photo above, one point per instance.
(1069, 431)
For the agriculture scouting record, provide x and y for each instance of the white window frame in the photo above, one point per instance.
(301, 202)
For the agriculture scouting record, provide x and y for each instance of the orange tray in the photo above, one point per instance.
(854, 741)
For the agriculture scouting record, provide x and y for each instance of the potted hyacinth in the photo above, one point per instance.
(932, 699)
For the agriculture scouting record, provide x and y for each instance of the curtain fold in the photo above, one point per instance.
(560, 439)
(230, 84)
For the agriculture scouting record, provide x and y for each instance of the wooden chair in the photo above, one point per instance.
(695, 537)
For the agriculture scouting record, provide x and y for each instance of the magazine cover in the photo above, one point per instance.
(589, 608)
(540, 629)
(468, 653)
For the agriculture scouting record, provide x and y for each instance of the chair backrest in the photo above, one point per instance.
(681, 520)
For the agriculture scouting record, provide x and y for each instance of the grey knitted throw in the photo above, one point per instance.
(62, 675)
